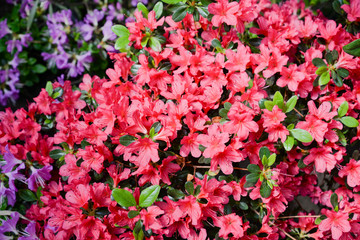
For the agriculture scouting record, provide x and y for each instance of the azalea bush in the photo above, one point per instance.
(222, 120)
(42, 40)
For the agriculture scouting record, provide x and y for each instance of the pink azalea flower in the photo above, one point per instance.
(352, 171)
(224, 12)
(323, 159)
(352, 10)
(337, 222)
(230, 224)
(225, 159)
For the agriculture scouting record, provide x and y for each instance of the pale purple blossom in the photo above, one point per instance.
(8, 193)
(38, 177)
(30, 232)
(10, 224)
(9, 161)
(4, 29)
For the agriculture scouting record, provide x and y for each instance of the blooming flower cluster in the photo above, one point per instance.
(217, 121)
(64, 40)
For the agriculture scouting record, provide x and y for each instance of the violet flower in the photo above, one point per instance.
(10, 161)
(79, 64)
(19, 43)
(15, 175)
(114, 12)
(90, 24)
(8, 193)
(10, 224)
(4, 29)
(30, 232)
(38, 177)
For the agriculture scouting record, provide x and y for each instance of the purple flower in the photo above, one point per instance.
(10, 89)
(4, 28)
(15, 175)
(10, 224)
(30, 232)
(135, 2)
(107, 32)
(38, 177)
(10, 161)
(115, 12)
(78, 65)
(90, 24)
(19, 43)
(8, 193)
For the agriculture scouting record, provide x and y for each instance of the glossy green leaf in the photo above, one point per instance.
(324, 78)
(171, 1)
(243, 206)
(278, 100)
(321, 70)
(291, 103)
(353, 48)
(253, 168)
(342, 72)
(149, 195)
(142, 8)
(32, 15)
(57, 153)
(138, 230)
(269, 105)
(343, 109)
(271, 159)
(156, 126)
(27, 195)
(265, 190)
(301, 135)
(252, 177)
(189, 187)
(120, 30)
(289, 143)
(123, 197)
(334, 200)
(132, 214)
(49, 88)
(127, 140)
(155, 44)
(349, 121)
(264, 151)
(179, 14)
(227, 105)
(216, 43)
(39, 68)
(158, 9)
(175, 193)
(318, 62)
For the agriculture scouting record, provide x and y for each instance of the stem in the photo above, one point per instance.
(302, 216)
(288, 235)
(237, 168)
(298, 112)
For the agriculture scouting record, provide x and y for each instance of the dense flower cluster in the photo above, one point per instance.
(65, 40)
(217, 121)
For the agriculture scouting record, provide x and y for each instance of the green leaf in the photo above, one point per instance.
(142, 8)
(32, 15)
(338, 81)
(149, 195)
(39, 68)
(278, 100)
(57, 153)
(216, 43)
(121, 44)
(264, 151)
(321, 70)
(301, 135)
(243, 206)
(132, 214)
(138, 230)
(49, 88)
(175, 193)
(291, 103)
(269, 105)
(324, 78)
(334, 200)
(329, 58)
(265, 190)
(342, 138)
(120, 30)
(353, 48)
(318, 62)
(203, 11)
(223, 113)
(127, 140)
(289, 143)
(265, 161)
(349, 121)
(189, 187)
(227, 105)
(171, 1)
(158, 9)
(155, 44)
(301, 164)
(27, 195)
(271, 159)
(123, 197)
(252, 177)
(342, 72)
(253, 168)
(337, 7)
(179, 14)
(156, 126)
(343, 109)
